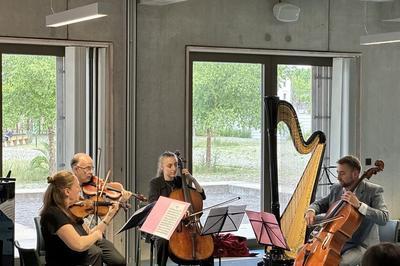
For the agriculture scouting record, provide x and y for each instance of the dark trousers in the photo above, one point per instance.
(105, 252)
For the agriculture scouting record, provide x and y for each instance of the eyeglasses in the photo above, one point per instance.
(86, 169)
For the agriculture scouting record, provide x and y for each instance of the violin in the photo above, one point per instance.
(186, 244)
(85, 207)
(112, 190)
(340, 223)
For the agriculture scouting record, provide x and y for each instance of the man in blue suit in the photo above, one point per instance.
(367, 199)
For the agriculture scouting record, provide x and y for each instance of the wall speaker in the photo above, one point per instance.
(285, 12)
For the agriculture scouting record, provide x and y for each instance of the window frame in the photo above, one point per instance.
(270, 59)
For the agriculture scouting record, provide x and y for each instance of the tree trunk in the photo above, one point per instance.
(208, 150)
(52, 150)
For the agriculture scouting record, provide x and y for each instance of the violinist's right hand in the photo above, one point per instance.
(310, 217)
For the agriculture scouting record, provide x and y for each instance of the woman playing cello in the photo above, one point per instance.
(162, 185)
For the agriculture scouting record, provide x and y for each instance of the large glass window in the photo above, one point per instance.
(226, 135)
(29, 133)
(294, 86)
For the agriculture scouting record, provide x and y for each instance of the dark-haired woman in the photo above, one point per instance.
(67, 239)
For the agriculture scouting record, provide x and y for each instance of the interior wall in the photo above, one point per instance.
(26, 19)
(164, 31)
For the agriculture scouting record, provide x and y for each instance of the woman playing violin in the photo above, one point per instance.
(82, 167)
(162, 185)
(67, 239)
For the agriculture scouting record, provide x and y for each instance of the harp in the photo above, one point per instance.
(292, 220)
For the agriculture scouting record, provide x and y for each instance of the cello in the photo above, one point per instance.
(186, 244)
(341, 221)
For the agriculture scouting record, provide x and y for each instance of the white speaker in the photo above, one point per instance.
(286, 12)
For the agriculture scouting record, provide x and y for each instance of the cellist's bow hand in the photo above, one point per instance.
(351, 198)
(310, 217)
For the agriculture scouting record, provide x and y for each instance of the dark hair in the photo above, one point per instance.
(382, 254)
(351, 161)
(160, 160)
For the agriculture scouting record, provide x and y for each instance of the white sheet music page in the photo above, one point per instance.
(165, 217)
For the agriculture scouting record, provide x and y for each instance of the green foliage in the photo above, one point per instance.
(25, 176)
(41, 161)
(29, 90)
(229, 132)
(300, 77)
(226, 96)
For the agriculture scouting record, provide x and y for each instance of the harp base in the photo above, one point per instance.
(275, 257)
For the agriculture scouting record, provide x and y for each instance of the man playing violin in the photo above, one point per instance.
(367, 199)
(82, 167)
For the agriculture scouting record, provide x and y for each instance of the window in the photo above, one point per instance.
(227, 132)
(229, 161)
(48, 92)
(29, 133)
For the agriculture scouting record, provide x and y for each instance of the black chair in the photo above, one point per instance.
(389, 232)
(27, 256)
(39, 241)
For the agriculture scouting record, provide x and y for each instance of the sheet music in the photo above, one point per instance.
(165, 217)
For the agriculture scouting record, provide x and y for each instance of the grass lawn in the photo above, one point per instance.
(239, 159)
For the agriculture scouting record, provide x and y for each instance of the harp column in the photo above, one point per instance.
(271, 109)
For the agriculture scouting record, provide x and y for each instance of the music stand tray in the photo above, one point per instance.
(223, 219)
(266, 229)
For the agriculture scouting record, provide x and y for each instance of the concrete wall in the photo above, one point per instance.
(163, 33)
(26, 19)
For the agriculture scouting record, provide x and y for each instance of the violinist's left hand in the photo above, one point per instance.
(125, 195)
(351, 198)
(112, 211)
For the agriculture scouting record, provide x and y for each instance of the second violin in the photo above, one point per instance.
(112, 190)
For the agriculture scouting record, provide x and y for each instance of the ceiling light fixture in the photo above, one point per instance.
(159, 2)
(380, 38)
(75, 15)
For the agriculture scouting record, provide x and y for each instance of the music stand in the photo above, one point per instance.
(267, 231)
(223, 219)
(138, 218)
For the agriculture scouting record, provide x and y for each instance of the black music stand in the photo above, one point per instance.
(223, 219)
(268, 232)
(137, 219)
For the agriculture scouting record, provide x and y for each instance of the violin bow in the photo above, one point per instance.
(105, 182)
